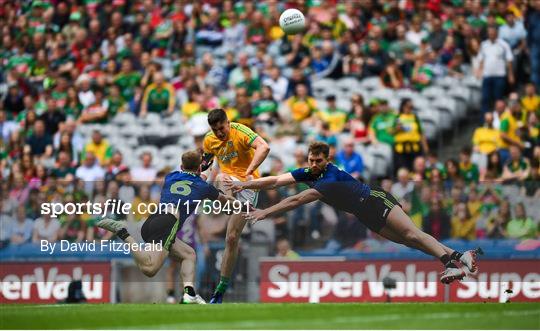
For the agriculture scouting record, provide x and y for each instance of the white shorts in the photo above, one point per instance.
(251, 196)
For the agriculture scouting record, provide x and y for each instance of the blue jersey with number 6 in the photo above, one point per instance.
(183, 189)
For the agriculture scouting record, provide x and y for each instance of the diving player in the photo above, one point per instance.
(377, 209)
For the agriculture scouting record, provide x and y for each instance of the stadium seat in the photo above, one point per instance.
(448, 82)
(420, 102)
(448, 107)
(381, 150)
(384, 93)
(321, 86)
(150, 119)
(433, 92)
(344, 104)
(123, 119)
(348, 86)
(369, 164)
(430, 120)
(408, 93)
(371, 83)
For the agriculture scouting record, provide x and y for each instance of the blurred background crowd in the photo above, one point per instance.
(100, 98)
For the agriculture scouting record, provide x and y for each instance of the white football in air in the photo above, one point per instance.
(292, 21)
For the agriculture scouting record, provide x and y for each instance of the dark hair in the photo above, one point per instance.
(467, 150)
(404, 101)
(318, 147)
(216, 116)
(191, 160)
(496, 167)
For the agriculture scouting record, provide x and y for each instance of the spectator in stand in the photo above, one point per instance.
(517, 169)
(494, 168)
(86, 95)
(509, 129)
(530, 136)
(45, 228)
(7, 127)
(296, 79)
(359, 118)
(265, 108)
(235, 33)
(376, 59)
(301, 105)
(500, 108)
(283, 250)
(496, 228)
(485, 141)
(145, 173)
(463, 224)
(437, 222)
(143, 198)
(416, 34)
(530, 102)
(52, 117)
(401, 45)
(404, 184)
(453, 175)
(97, 111)
(98, 147)
(277, 83)
(90, 171)
(13, 102)
(21, 229)
(382, 122)
(63, 166)
(159, 97)
(496, 68)
(353, 62)
(468, 170)
(350, 160)
(127, 79)
(521, 226)
(392, 77)
(336, 118)
(39, 140)
(410, 141)
(437, 35)
(250, 84)
(422, 73)
(326, 135)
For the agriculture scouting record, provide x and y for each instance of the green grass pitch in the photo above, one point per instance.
(273, 316)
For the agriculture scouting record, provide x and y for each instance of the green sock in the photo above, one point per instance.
(223, 284)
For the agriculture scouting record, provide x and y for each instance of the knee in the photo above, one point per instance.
(189, 254)
(149, 271)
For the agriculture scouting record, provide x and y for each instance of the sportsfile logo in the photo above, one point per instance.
(47, 283)
(346, 281)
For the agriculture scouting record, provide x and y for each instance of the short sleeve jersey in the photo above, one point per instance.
(339, 188)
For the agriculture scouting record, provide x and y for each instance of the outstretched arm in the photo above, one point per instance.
(287, 204)
(269, 182)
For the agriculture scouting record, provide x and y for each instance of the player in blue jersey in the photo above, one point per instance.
(184, 189)
(377, 209)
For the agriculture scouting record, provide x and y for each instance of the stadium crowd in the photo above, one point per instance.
(68, 64)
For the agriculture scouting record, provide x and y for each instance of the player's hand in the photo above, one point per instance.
(207, 161)
(234, 187)
(256, 215)
(248, 172)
